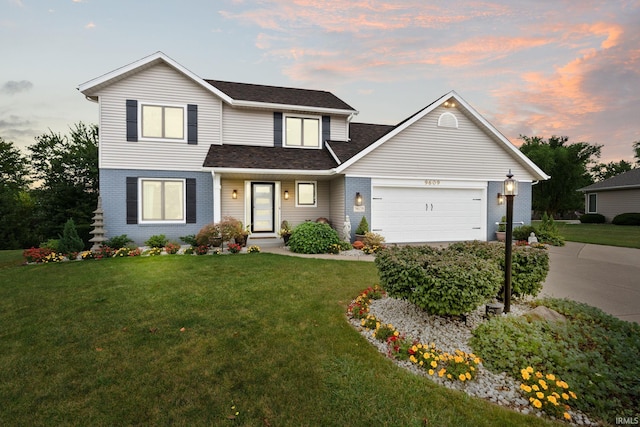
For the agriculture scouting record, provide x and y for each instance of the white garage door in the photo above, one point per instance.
(405, 215)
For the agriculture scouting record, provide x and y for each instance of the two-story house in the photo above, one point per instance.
(177, 152)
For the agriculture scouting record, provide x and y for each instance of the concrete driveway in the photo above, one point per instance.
(606, 277)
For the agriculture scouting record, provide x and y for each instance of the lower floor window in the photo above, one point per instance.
(592, 203)
(163, 200)
(306, 193)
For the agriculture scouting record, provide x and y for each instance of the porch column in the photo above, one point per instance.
(217, 197)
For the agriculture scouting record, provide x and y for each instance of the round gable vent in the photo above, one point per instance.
(448, 120)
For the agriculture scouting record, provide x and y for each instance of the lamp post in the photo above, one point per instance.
(510, 191)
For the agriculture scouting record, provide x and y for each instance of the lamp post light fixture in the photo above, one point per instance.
(510, 190)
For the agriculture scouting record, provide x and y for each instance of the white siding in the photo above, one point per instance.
(247, 127)
(296, 215)
(337, 203)
(612, 203)
(426, 150)
(228, 205)
(339, 128)
(157, 84)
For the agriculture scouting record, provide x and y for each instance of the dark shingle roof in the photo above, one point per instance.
(256, 157)
(280, 95)
(629, 179)
(361, 136)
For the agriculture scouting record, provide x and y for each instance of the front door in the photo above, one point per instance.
(262, 207)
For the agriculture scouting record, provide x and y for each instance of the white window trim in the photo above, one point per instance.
(589, 202)
(301, 116)
(162, 221)
(161, 104)
(315, 194)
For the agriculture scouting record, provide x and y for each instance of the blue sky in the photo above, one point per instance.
(538, 67)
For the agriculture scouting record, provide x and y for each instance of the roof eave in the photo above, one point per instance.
(326, 172)
(276, 106)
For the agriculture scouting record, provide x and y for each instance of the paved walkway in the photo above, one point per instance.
(606, 277)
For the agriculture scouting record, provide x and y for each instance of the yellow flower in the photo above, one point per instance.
(567, 416)
(525, 374)
(537, 403)
(468, 375)
(449, 376)
(421, 363)
(551, 377)
(396, 333)
(476, 360)
(414, 348)
(434, 363)
(543, 384)
(535, 387)
(431, 371)
(462, 377)
(441, 372)
(538, 375)
(565, 396)
(530, 369)
(573, 395)
(458, 359)
(552, 399)
(525, 388)
(413, 359)
(540, 395)
(419, 345)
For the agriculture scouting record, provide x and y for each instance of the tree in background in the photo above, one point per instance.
(604, 171)
(16, 205)
(66, 169)
(568, 166)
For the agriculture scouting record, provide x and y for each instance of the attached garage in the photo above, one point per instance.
(428, 211)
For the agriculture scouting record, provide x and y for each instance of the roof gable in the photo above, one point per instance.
(235, 94)
(470, 111)
(629, 179)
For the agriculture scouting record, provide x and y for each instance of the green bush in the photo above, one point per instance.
(117, 242)
(313, 238)
(523, 232)
(631, 218)
(157, 241)
(597, 354)
(70, 242)
(189, 239)
(363, 227)
(51, 244)
(592, 219)
(209, 235)
(440, 281)
(529, 265)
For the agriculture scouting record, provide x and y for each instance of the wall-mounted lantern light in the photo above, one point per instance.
(358, 199)
(286, 194)
(500, 199)
(234, 194)
(449, 104)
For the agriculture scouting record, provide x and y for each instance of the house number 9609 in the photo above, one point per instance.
(432, 181)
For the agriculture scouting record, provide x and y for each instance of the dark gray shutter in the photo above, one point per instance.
(132, 120)
(192, 124)
(191, 201)
(277, 129)
(326, 128)
(132, 200)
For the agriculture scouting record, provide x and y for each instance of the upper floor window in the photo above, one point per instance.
(163, 122)
(302, 132)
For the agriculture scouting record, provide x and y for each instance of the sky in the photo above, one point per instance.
(531, 67)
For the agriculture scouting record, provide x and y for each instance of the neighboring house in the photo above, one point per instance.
(614, 196)
(177, 152)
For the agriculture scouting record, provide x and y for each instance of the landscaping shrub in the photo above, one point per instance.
(548, 233)
(157, 241)
(209, 235)
(313, 238)
(598, 354)
(70, 242)
(529, 265)
(631, 218)
(523, 232)
(442, 282)
(363, 226)
(117, 242)
(592, 219)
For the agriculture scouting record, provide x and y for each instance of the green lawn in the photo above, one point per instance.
(601, 234)
(100, 343)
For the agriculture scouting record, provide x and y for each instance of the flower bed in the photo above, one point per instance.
(451, 363)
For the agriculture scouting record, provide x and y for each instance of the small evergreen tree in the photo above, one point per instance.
(363, 227)
(70, 241)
